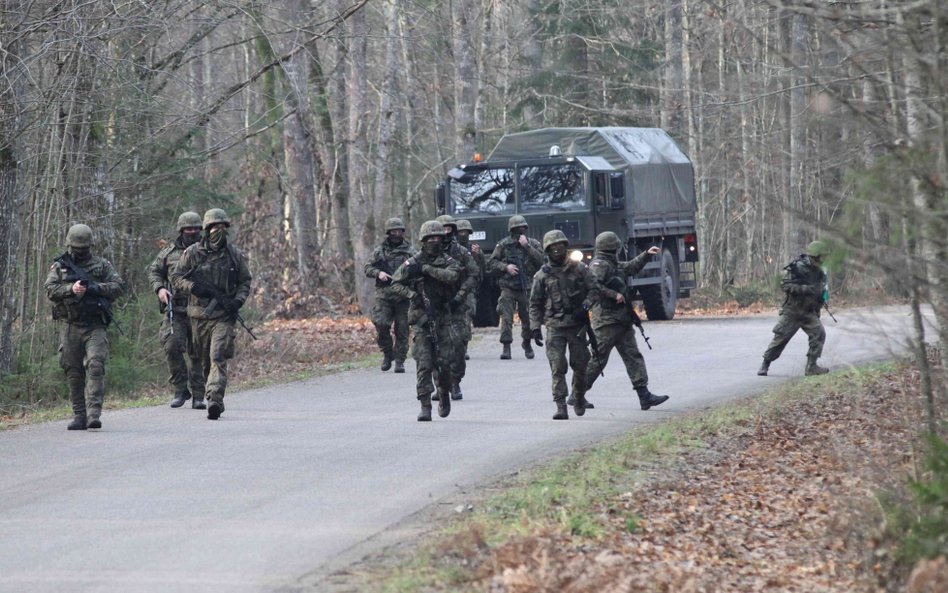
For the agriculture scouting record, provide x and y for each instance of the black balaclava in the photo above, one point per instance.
(432, 248)
(395, 240)
(186, 239)
(80, 254)
(464, 239)
(517, 231)
(557, 253)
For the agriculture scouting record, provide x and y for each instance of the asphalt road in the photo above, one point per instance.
(295, 477)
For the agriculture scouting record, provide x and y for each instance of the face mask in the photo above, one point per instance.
(190, 238)
(218, 237)
(80, 254)
(431, 248)
(395, 239)
(464, 237)
(515, 233)
(557, 253)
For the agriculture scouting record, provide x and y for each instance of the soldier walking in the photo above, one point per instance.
(612, 317)
(464, 240)
(560, 299)
(391, 309)
(175, 335)
(515, 260)
(214, 273)
(805, 285)
(429, 280)
(82, 287)
(467, 285)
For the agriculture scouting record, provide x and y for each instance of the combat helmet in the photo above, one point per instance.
(552, 237)
(816, 249)
(608, 241)
(79, 235)
(394, 223)
(188, 220)
(214, 216)
(431, 228)
(465, 225)
(447, 220)
(515, 221)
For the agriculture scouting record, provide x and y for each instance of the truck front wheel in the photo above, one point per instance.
(661, 299)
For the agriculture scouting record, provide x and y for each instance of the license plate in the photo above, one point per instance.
(478, 235)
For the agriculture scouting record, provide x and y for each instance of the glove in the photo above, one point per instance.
(93, 290)
(414, 268)
(232, 306)
(538, 337)
(581, 315)
(203, 290)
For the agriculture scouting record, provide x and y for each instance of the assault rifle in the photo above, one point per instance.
(212, 306)
(593, 343)
(431, 324)
(616, 284)
(102, 304)
(522, 269)
(170, 308)
(383, 266)
(826, 305)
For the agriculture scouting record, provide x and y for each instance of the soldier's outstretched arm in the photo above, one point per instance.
(635, 265)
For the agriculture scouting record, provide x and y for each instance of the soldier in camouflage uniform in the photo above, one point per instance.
(560, 298)
(82, 287)
(612, 316)
(464, 240)
(470, 278)
(391, 309)
(215, 275)
(187, 376)
(515, 260)
(429, 280)
(806, 288)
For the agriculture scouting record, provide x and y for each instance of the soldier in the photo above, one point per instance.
(805, 285)
(187, 376)
(515, 260)
(464, 240)
(560, 298)
(429, 280)
(82, 287)
(390, 308)
(470, 278)
(215, 275)
(612, 317)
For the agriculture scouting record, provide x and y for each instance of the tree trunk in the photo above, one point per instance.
(360, 211)
(465, 89)
(673, 87)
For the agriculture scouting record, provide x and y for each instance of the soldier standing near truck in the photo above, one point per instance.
(515, 260)
(429, 281)
(175, 335)
(613, 315)
(560, 299)
(82, 287)
(805, 285)
(391, 309)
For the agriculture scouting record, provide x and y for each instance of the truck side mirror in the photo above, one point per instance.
(617, 190)
(439, 195)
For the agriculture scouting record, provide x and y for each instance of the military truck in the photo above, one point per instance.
(635, 182)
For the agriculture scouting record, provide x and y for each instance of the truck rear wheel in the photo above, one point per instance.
(661, 299)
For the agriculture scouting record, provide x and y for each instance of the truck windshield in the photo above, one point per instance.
(487, 190)
(561, 187)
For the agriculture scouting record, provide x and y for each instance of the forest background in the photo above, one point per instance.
(311, 122)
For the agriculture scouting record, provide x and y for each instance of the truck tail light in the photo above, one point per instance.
(691, 247)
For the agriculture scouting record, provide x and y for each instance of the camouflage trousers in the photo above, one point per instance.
(510, 302)
(183, 360)
(558, 341)
(385, 315)
(434, 370)
(461, 321)
(215, 344)
(620, 336)
(787, 326)
(83, 352)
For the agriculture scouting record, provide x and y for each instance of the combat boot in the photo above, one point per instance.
(505, 355)
(764, 368)
(444, 405)
(425, 414)
(467, 356)
(198, 403)
(386, 363)
(180, 397)
(572, 402)
(527, 349)
(214, 410)
(814, 369)
(647, 399)
(78, 422)
(456, 393)
(579, 405)
(561, 413)
(399, 366)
